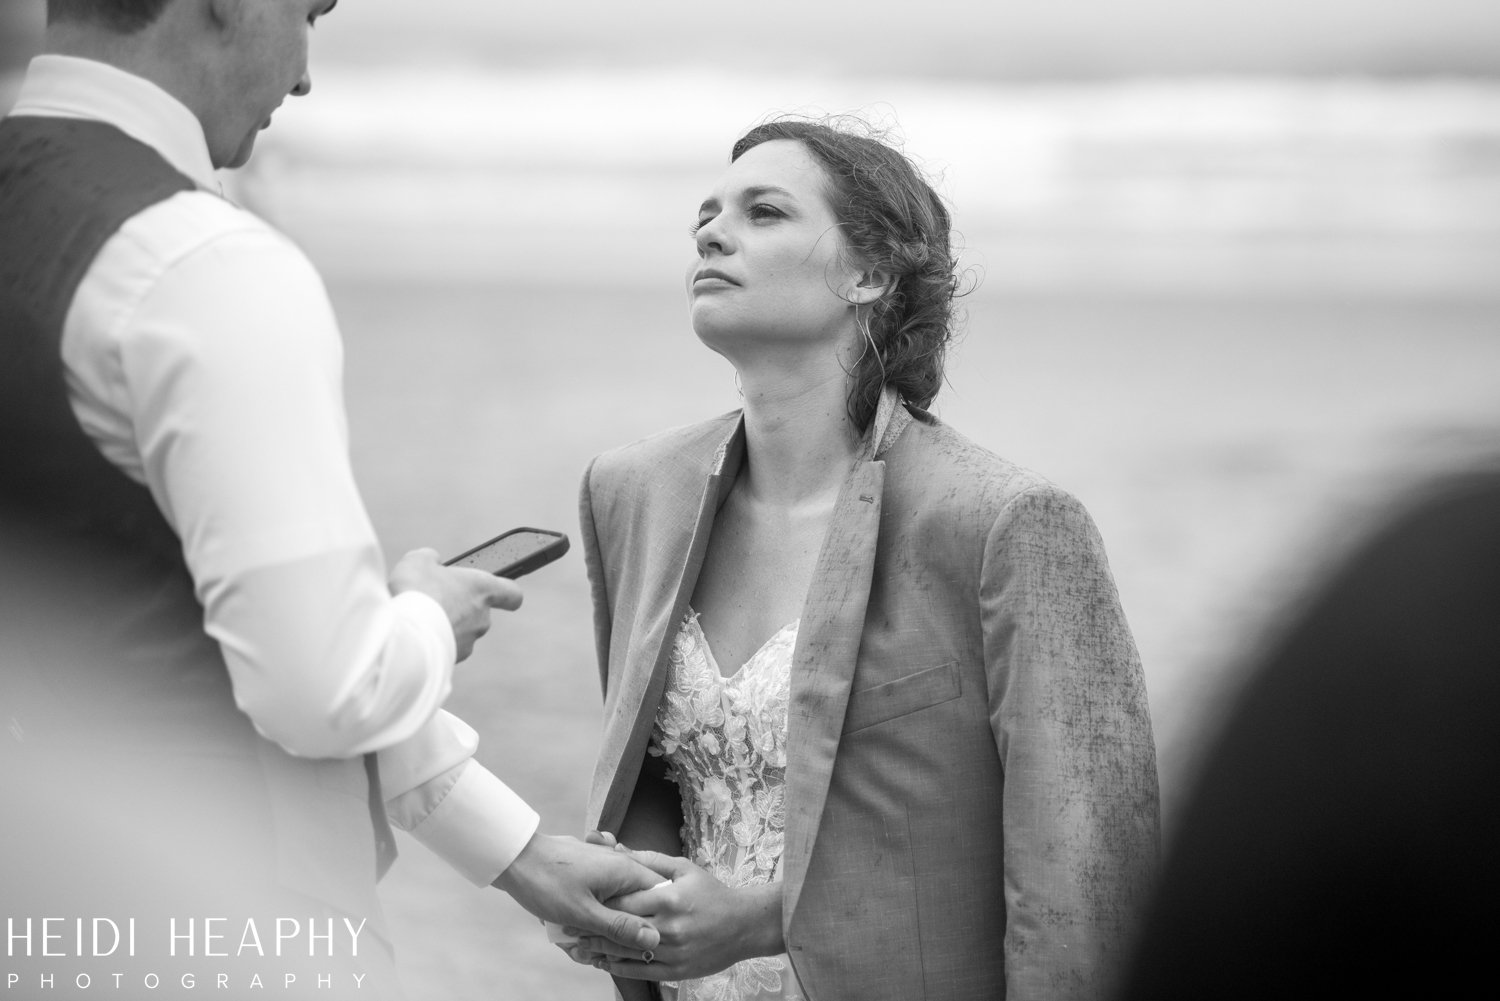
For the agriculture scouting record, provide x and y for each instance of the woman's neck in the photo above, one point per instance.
(799, 441)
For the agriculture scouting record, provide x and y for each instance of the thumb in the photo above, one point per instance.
(624, 929)
(502, 593)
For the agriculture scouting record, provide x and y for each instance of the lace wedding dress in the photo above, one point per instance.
(724, 741)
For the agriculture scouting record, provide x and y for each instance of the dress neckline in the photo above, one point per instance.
(708, 651)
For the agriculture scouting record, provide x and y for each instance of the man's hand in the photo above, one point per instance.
(562, 879)
(467, 595)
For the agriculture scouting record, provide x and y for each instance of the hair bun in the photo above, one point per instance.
(911, 256)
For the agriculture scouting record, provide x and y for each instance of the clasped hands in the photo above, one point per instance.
(703, 925)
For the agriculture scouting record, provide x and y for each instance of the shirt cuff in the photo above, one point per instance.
(424, 766)
(479, 827)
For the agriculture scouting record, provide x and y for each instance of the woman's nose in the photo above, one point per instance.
(304, 85)
(710, 237)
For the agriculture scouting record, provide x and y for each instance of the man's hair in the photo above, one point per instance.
(124, 16)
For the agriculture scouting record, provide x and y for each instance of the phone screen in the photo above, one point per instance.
(514, 549)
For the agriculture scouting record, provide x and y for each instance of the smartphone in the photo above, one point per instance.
(513, 553)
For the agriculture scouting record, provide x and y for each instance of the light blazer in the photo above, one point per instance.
(971, 777)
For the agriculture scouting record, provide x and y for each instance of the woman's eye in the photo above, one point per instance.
(758, 212)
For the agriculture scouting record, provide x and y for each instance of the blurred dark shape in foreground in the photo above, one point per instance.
(1343, 833)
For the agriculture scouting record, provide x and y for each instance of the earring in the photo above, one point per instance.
(862, 321)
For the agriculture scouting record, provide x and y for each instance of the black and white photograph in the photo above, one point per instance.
(786, 501)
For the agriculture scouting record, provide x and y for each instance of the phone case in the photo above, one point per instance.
(512, 562)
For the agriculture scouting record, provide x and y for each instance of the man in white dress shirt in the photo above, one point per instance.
(201, 360)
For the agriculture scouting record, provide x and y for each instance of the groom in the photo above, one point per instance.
(213, 700)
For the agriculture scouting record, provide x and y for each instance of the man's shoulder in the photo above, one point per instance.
(111, 184)
(191, 222)
(188, 272)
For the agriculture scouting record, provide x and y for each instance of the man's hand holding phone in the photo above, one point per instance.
(474, 583)
(467, 596)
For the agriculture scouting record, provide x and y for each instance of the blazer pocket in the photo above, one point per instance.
(929, 687)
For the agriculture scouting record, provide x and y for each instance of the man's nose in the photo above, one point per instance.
(304, 86)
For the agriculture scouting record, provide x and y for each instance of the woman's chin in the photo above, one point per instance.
(713, 344)
(721, 328)
(712, 331)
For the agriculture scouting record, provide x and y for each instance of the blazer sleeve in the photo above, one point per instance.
(1067, 704)
(594, 565)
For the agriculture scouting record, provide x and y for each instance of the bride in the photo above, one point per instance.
(872, 708)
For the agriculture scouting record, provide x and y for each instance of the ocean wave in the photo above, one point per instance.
(1222, 182)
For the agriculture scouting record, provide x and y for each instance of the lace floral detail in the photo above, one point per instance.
(724, 741)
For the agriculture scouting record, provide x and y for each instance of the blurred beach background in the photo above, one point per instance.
(1235, 271)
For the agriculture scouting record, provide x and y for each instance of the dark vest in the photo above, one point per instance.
(105, 668)
(93, 539)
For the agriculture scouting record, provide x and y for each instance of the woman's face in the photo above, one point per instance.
(771, 268)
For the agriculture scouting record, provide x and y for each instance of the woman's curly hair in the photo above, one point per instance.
(897, 227)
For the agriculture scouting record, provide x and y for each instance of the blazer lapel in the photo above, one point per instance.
(671, 569)
(828, 646)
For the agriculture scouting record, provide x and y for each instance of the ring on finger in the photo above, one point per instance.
(647, 956)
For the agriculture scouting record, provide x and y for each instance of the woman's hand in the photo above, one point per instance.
(705, 926)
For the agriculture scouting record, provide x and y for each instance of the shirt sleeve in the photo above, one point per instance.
(204, 360)
(453, 804)
(217, 372)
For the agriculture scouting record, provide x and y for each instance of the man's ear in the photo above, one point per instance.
(872, 285)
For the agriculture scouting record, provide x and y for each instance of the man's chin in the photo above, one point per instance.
(241, 155)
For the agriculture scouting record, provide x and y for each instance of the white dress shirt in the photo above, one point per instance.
(204, 360)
